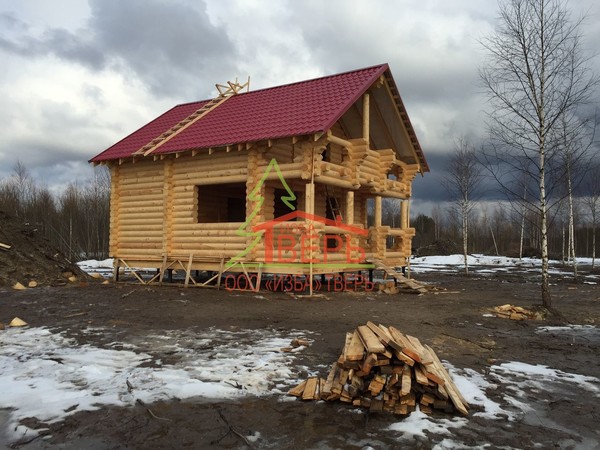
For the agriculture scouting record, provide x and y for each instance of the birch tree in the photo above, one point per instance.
(535, 75)
(592, 201)
(462, 181)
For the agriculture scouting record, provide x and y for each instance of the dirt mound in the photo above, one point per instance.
(439, 248)
(30, 257)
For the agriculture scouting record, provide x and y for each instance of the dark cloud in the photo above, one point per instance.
(445, 73)
(10, 21)
(76, 47)
(430, 187)
(172, 47)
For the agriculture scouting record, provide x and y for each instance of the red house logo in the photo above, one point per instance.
(288, 240)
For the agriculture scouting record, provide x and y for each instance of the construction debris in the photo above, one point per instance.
(4, 246)
(517, 313)
(18, 286)
(401, 280)
(16, 322)
(295, 343)
(382, 369)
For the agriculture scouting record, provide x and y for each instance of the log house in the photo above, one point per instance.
(194, 188)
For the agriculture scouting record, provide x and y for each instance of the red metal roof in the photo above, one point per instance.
(290, 110)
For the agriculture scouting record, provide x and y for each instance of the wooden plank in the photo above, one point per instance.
(409, 399)
(407, 347)
(319, 394)
(431, 372)
(420, 375)
(298, 390)
(457, 399)
(368, 363)
(427, 399)
(310, 389)
(404, 358)
(330, 377)
(383, 336)
(355, 350)
(390, 340)
(443, 393)
(406, 381)
(425, 357)
(370, 341)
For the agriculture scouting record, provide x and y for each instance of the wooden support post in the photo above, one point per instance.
(116, 270)
(404, 214)
(163, 267)
(188, 272)
(258, 278)
(350, 207)
(310, 209)
(378, 211)
(365, 118)
(310, 198)
(220, 272)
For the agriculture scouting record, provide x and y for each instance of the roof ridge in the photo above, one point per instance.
(293, 83)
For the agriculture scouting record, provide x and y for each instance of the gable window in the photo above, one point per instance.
(219, 203)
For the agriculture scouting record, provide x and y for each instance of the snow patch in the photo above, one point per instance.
(50, 376)
(415, 425)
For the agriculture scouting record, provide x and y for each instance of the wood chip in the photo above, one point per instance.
(17, 322)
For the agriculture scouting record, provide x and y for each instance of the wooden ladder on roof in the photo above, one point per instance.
(225, 92)
(399, 277)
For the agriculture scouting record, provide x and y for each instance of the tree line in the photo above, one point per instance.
(76, 220)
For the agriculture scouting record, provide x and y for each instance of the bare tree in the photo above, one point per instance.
(536, 75)
(437, 216)
(592, 201)
(577, 140)
(462, 181)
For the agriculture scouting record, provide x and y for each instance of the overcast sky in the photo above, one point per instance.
(78, 76)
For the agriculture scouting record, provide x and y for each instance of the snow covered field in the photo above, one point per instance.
(485, 266)
(47, 375)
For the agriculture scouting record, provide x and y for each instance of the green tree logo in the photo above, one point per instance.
(255, 196)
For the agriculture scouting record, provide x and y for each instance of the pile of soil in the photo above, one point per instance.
(30, 257)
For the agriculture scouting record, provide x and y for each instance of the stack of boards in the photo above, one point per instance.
(382, 369)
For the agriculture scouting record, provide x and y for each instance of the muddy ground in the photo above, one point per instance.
(451, 321)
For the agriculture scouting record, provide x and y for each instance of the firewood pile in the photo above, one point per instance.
(382, 369)
(517, 313)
